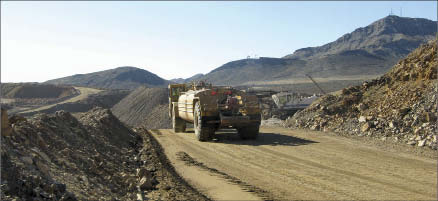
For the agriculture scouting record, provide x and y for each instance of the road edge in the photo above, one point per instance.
(168, 166)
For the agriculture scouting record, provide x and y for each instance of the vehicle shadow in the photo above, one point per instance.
(230, 136)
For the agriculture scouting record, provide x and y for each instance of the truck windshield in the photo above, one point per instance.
(175, 91)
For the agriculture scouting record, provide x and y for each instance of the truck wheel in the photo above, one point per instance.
(179, 125)
(249, 133)
(203, 133)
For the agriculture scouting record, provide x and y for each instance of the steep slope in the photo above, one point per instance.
(365, 52)
(400, 105)
(118, 78)
(144, 107)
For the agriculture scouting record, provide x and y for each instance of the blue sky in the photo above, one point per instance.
(47, 40)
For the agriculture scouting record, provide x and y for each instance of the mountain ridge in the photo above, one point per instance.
(392, 24)
(367, 51)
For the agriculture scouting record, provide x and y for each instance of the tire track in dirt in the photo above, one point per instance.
(183, 156)
(229, 189)
(263, 167)
(290, 164)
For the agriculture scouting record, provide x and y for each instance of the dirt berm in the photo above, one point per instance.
(91, 157)
(400, 106)
(104, 99)
(31, 90)
(147, 107)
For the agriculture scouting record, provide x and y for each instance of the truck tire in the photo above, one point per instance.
(249, 133)
(202, 132)
(179, 125)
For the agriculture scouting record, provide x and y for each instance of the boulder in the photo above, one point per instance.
(421, 143)
(143, 172)
(145, 183)
(365, 127)
(362, 119)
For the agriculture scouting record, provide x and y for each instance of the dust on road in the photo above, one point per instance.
(297, 164)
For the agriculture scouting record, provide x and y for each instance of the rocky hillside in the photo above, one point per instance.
(92, 157)
(117, 78)
(400, 106)
(391, 36)
(370, 50)
(146, 107)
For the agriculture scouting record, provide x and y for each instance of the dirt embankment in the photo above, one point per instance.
(92, 157)
(104, 99)
(26, 90)
(400, 106)
(147, 107)
(32, 94)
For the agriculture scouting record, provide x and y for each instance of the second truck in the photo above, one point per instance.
(211, 108)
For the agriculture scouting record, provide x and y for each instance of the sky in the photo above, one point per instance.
(47, 40)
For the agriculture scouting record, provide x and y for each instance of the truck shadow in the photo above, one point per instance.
(273, 139)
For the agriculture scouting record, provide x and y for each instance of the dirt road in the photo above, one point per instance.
(84, 92)
(297, 164)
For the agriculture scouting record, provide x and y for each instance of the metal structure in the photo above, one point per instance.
(211, 108)
(289, 100)
(322, 91)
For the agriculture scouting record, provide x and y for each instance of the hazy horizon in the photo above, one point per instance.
(48, 40)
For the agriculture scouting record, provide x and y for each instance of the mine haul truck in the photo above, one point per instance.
(211, 108)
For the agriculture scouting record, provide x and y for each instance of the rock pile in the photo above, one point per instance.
(400, 105)
(59, 157)
(147, 107)
(91, 157)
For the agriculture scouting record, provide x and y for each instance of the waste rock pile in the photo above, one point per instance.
(147, 107)
(91, 157)
(400, 105)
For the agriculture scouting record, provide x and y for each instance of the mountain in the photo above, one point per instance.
(367, 51)
(182, 80)
(118, 78)
(177, 80)
(390, 36)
